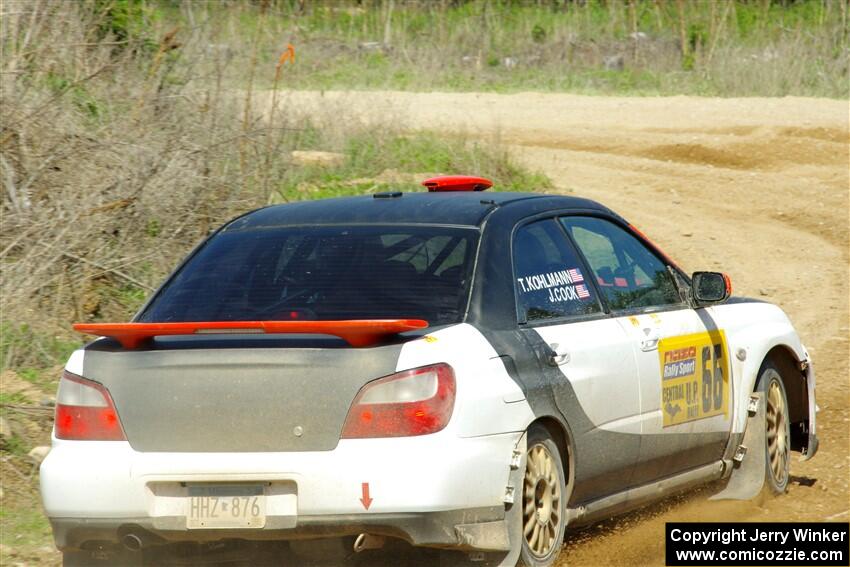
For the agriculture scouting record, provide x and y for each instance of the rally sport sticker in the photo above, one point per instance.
(694, 377)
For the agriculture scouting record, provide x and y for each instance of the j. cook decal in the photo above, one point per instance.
(563, 285)
(694, 377)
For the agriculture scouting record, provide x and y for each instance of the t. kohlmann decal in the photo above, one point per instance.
(562, 285)
(694, 377)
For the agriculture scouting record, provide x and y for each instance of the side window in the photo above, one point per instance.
(629, 275)
(550, 280)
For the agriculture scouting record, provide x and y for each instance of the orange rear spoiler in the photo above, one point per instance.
(357, 333)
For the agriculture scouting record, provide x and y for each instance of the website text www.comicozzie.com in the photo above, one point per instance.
(807, 544)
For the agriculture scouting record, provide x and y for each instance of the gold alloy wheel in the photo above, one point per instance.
(777, 435)
(541, 502)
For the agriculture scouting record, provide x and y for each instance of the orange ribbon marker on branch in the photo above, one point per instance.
(287, 55)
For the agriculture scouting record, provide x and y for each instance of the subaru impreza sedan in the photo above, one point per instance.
(462, 370)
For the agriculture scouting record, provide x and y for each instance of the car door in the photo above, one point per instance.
(586, 358)
(682, 355)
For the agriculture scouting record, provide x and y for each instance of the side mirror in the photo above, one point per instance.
(709, 288)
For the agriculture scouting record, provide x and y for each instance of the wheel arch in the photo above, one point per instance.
(794, 378)
(759, 333)
(559, 431)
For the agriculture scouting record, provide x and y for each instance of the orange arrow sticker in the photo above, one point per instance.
(365, 500)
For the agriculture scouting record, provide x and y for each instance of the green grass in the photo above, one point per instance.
(357, 76)
(43, 378)
(14, 444)
(374, 162)
(13, 398)
(24, 348)
(23, 526)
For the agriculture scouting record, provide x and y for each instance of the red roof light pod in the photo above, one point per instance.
(446, 183)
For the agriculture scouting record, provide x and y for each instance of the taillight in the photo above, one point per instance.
(84, 411)
(408, 403)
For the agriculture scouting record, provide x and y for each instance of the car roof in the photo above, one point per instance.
(450, 208)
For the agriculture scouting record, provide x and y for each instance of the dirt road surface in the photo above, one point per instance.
(754, 187)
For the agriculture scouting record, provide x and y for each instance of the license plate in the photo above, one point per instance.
(226, 506)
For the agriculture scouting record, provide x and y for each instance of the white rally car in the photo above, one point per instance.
(460, 370)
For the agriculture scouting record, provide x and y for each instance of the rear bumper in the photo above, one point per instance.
(482, 528)
(429, 490)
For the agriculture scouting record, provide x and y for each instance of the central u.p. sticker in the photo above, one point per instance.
(694, 377)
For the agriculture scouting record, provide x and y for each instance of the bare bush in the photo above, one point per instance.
(116, 156)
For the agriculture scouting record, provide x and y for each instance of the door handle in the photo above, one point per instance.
(650, 339)
(558, 355)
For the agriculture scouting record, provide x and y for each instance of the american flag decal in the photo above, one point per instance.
(582, 292)
(575, 275)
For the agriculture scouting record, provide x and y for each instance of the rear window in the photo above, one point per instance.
(323, 273)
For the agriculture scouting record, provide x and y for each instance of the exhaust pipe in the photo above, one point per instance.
(132, 542)
(368, 541)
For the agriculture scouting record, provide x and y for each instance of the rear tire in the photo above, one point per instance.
(777, 429)
(544, 500)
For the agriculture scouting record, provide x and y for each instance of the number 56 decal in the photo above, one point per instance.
(694, 377)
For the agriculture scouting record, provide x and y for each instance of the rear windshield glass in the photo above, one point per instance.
(323, 273)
